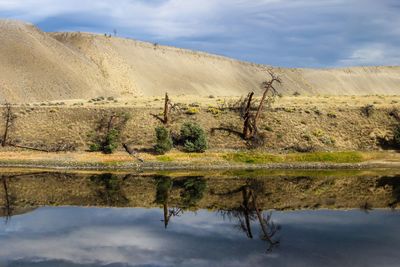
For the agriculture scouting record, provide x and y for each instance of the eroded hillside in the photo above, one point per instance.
(37, 66)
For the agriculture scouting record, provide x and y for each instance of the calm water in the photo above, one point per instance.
(199, 220)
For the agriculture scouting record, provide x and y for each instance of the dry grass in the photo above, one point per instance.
(294, 123)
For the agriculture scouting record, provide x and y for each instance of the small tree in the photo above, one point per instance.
(108, 133)
(164, 141)
(193, 137)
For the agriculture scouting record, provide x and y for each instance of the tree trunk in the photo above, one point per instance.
(8, 116)
(247, 128)
(260, 107)
(4, 141)
(166, 109)
(246, 198)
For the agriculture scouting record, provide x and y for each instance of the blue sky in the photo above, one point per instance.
(289, 33)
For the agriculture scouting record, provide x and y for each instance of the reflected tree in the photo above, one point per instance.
(192, 191)
(109, 189)
(164, 187)
(8, 199)
(394, 183)
(249, 211)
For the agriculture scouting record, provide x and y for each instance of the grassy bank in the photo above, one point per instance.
(209, 160)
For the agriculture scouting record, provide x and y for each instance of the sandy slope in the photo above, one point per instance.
(38, 66)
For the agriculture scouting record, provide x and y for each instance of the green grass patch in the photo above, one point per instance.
(263, 158)
(164, 158)
(252, 158)
(334, 157)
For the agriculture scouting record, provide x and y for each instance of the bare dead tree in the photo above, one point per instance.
(251, 120)
(9, 118)
(169, 108)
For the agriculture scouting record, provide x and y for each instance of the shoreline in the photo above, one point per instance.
(197, 162)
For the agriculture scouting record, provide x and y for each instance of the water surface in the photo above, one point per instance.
(256, 219)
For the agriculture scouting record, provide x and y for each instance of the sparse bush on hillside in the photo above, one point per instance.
(164, 141)
(192, 111)
(193, 137)
(368, 110)
(296, 93)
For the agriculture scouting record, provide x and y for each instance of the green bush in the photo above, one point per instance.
(193, 137)
(396, 136)
(164, 141)
(108, 145)
(94, 147)
(111, 141)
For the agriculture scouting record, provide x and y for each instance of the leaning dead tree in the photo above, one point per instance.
(9, 118)
(250, 119)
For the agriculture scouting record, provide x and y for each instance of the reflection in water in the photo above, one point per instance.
(394, 182)
(249, 211)
(164, 186)
(73, 236)
(200, 235)
(7, 208)
(109, 189)
(192, 191)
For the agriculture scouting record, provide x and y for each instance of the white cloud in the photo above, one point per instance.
(375, 54)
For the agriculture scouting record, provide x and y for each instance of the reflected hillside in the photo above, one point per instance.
(231, 193)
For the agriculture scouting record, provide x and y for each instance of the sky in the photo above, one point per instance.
(287, 33)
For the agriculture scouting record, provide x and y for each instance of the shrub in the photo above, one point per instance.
(164, 141)
(94, 147)
(192, 111)
(213, 110)
(193, 137)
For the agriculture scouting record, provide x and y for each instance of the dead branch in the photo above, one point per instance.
(28, 147)
(132, 152)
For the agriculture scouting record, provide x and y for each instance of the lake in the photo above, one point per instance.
(232, 218)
